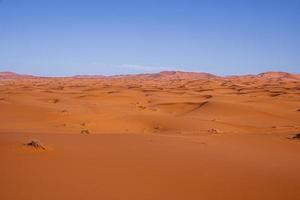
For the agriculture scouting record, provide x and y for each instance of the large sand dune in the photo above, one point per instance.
(170, 135)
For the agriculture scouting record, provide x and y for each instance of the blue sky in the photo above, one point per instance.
(67, 37)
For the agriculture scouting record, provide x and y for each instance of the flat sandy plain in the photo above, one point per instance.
(165, 136)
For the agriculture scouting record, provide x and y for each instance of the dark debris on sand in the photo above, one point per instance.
(296, 137)
(85, 131)
(36, 144)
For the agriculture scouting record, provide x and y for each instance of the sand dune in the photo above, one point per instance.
(170, 135)
(60, 105)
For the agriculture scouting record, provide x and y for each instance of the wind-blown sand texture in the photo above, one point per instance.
(170, 135)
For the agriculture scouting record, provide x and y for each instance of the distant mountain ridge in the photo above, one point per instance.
(14, 75)
(166, 75)
(170, 75)
(281, 75)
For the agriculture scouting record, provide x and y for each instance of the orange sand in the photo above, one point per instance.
(171, 135)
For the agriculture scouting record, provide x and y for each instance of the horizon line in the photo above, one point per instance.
(142, 73)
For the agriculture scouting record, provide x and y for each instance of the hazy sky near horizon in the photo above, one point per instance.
(67, 37)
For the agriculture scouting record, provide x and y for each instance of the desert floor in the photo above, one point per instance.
(146, 138)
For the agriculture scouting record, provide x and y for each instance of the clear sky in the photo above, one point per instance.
(67, 37)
